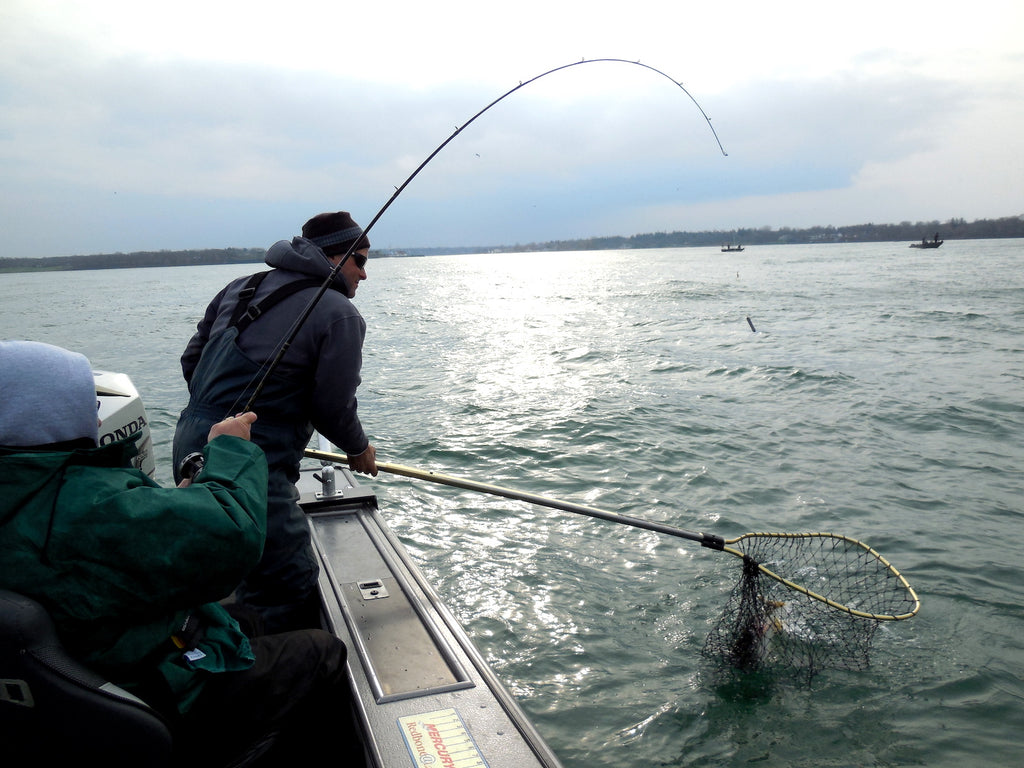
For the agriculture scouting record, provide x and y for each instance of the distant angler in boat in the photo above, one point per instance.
(926, 243)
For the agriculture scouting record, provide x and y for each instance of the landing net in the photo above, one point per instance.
(807, 601)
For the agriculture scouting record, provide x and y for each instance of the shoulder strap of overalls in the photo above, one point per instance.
(244, 314)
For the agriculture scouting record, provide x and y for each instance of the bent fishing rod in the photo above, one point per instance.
(858, 580)
(300, 321)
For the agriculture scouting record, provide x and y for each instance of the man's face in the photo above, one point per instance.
(354, 270)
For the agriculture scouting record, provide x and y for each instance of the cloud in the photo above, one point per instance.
(138, 150)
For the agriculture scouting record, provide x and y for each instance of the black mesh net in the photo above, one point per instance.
(768, 624)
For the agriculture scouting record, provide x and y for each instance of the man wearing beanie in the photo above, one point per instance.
(313, 387)
(123, 566)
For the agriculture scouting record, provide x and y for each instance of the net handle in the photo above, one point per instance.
(707, 540)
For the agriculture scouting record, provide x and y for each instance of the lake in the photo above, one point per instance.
(871, 390)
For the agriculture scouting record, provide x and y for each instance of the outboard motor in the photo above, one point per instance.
(121, 414)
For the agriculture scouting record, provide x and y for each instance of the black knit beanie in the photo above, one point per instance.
(334, 233)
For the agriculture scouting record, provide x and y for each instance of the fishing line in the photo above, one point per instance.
(286, 341)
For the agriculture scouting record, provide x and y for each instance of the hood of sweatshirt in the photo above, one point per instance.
(300, 255)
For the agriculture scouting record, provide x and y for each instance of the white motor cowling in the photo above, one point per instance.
(121, 414)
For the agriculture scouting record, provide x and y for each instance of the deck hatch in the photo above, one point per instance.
(402, 652)
(404, 655)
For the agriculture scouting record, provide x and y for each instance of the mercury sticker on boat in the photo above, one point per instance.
(439, 739)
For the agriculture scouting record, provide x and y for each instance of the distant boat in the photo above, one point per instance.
(926, 243)
(729, 247)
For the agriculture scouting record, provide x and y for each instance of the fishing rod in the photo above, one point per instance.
(859, 581)
(300, 321)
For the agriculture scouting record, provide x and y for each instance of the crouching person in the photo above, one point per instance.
(133, 573)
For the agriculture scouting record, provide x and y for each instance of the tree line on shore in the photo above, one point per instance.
(954, 229)
(137, 259)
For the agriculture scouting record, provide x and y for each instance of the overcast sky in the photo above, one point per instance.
(129, 125)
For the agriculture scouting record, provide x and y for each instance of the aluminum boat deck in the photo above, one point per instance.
(424, 693)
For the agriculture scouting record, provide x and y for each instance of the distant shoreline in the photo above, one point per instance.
(954, 229)
(192, 258)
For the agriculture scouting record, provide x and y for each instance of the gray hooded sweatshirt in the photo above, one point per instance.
(326, 355)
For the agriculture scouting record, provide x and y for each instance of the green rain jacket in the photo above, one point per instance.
(123, 564)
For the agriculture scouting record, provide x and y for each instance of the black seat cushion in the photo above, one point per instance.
(54, 708)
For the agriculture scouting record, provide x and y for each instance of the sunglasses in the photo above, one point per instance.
(359, 259)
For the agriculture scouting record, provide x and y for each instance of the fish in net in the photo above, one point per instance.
(806, 601)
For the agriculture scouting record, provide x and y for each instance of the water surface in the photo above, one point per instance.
(880, 397)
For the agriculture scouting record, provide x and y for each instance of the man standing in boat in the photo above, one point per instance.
(313, 387)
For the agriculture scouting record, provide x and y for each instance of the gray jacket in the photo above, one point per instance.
(326, 355)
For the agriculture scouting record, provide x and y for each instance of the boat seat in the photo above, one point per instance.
(54, 710)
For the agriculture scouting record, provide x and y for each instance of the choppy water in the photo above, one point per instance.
(881, 396)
